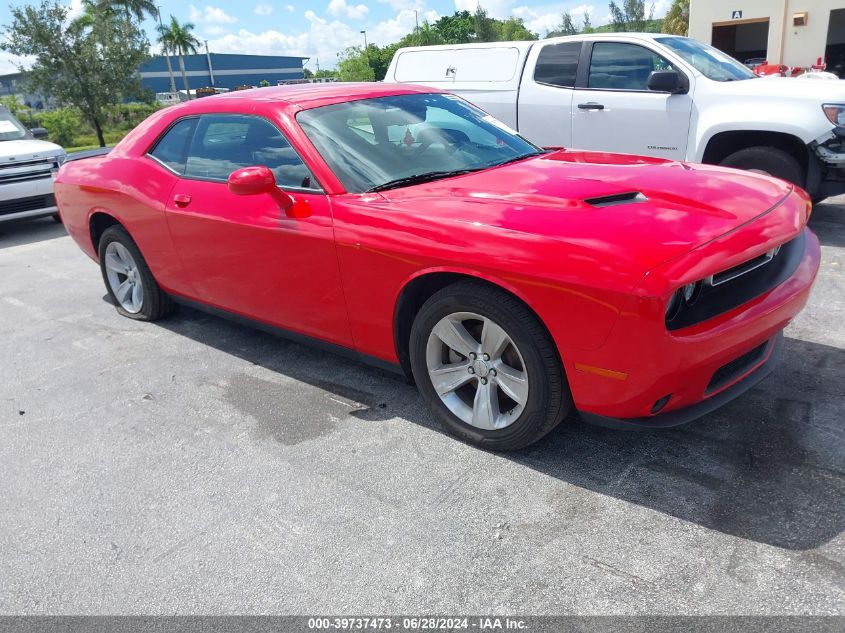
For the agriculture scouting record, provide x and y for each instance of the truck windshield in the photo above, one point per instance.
(709, 61)
(396, 141)
(10, 128)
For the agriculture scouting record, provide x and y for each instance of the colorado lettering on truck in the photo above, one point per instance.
(649, 94)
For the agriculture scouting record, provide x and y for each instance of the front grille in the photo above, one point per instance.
(27, 204)
(40, 162)
(738, 366)
(25, 171)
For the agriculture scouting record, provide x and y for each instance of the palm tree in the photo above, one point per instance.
(676, 21)
(138, 8)
(179, 39)
(164, 40)
(141, 9)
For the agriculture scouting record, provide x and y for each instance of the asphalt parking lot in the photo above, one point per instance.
(197, 466)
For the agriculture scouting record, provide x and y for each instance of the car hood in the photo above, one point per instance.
(640, 211)
(786, 88)
(28, 149)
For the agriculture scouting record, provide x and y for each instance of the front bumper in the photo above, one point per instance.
(642, 363)
(30, 199)
(753, 375)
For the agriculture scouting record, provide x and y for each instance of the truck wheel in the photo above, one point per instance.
(128, 279)
(767, 160)
(487, 367)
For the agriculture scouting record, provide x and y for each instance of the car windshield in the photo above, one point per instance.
(10, 128)
(709, 61)
(396, 141)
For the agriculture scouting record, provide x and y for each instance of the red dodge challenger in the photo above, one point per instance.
(407, 227)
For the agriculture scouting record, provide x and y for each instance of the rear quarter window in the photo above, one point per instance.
(557, 64)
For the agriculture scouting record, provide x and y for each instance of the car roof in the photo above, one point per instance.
(311, 95)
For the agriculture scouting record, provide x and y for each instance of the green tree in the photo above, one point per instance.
(512, 30)
(353, 65)
(676, 21)
(12, 104)
(180, 39)
(263, 84)
(630, 16)
(566, 26)
(426, 35)
(588, 25)
(63, 125)
(455, 29)
(483, 26)
(81, 63)
(137, 8)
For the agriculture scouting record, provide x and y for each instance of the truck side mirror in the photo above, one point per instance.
(39, 132)
(665, 81)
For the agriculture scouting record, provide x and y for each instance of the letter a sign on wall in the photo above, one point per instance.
(736, 15)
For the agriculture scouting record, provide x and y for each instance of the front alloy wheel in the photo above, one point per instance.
(477, 371)
(487, 366)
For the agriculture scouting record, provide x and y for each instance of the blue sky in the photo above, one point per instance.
(319, 30)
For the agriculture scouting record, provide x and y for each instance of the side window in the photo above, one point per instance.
(618, 66)
(172, 148)
(557, 64)
(224, 143)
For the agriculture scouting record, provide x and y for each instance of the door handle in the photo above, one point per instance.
(181, 200)
(591, 105)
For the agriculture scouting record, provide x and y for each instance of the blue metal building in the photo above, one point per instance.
(220, 70)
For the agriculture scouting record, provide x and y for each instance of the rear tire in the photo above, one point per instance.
(516, 372)
(768, 160)
(125, 273)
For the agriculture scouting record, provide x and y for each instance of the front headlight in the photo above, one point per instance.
(835, 113)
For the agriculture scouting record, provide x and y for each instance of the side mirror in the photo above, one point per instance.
(250, 181)
(665, 81)
(39, 132)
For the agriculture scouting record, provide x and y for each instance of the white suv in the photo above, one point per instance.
(27, 168)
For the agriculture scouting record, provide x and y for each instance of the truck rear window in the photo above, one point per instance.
(557, 64)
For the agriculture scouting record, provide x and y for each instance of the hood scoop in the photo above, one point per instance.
(615, 199)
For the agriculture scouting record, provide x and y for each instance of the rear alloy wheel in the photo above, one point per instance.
(129, 282)
(487, 367)
(769, 161)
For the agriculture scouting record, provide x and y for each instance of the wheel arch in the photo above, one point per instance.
(723, 144)
(98, 222)
(417, 290)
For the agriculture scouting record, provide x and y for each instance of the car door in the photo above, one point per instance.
(244, 254)
(545, 98)
(614, 111)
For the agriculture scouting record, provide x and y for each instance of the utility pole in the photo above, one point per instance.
(417, 27)
(366, 51)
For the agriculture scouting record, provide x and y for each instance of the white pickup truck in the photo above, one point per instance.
(27, 168)
(652, 94)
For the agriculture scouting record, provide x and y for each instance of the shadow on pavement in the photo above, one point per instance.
(828, 222)
(769, 467)
(19, 232)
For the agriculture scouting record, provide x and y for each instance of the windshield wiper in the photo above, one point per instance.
(516, 158)
(417, 179)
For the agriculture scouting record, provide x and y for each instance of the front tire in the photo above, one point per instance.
(767, 160)
(487, 367)
(128, 279)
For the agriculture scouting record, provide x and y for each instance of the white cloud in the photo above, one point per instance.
(404, 5)
(340, 9)
(263, 9)
(290, 8)
(214, 29)
(210, 15)
(495, 8)
(543, 19)
(322, 41)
